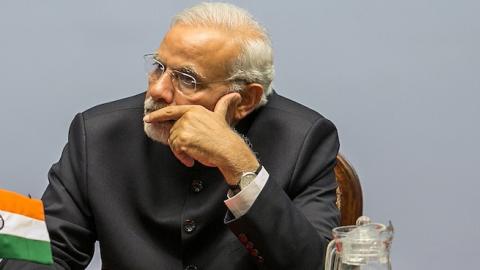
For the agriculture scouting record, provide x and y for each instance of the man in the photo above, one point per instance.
(222, 173)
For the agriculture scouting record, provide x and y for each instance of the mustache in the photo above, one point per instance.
(151, 105)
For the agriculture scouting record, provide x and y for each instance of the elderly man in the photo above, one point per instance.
(222, 173)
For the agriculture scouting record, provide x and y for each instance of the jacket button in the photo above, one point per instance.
(249, 245)
(197, 186)
(254, 252)
(189, 226)
(260, 259)
(243, 238)
(191, 267)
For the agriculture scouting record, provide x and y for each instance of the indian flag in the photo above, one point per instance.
(23, 232)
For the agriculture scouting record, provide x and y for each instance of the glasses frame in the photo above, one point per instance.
(174, 75)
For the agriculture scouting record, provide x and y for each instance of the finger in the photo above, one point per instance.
(184, 158)
(181, 155)
(227, 103)
(167, 113)
(208, 164)
(189, 152)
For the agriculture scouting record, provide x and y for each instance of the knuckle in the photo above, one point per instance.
(187, 115)
(196, 109)
(183, 138)
(168, 111)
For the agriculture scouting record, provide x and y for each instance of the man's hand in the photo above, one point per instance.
(206, 136)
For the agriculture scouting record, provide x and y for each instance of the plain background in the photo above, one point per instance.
(399, 78)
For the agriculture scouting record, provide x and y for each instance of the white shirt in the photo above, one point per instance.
(242, 201)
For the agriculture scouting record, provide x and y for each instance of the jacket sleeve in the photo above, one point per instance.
(289, 228)
(67, 212)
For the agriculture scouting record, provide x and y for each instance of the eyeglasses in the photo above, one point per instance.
(181, 81)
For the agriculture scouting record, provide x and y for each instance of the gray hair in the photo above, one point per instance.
(254, 64)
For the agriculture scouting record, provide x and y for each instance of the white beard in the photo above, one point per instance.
(158, 131)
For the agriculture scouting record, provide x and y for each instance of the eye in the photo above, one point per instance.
(185, 80)
(158, 66)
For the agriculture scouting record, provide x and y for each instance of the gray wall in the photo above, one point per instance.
(399, 78)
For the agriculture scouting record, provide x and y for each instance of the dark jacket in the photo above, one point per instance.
(148, 211)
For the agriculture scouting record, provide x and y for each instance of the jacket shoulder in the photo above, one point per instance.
(125, 104)
(285, 107)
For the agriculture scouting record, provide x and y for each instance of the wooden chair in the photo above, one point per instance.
(349, 192)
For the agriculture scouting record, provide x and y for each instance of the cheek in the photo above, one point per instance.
(207, 99)
(180, 99)
(209, 104)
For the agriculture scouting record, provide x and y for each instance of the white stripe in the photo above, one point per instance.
(22, 226)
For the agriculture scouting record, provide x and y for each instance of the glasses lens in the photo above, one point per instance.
(184, 82)
(153, 67)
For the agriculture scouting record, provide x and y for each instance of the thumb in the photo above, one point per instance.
(227, 103)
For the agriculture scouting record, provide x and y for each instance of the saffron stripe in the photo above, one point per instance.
(22, 205)
(14, 247)
(22, 226)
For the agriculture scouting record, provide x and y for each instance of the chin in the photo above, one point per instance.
(158, 132)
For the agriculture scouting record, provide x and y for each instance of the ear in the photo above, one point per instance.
(251, 96)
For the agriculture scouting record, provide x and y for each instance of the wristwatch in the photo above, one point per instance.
(245, 180)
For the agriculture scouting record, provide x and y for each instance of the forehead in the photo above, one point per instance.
(206, 49)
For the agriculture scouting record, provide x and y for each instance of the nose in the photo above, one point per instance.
(162, 88)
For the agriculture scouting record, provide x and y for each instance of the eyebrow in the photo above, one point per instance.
(190, 71)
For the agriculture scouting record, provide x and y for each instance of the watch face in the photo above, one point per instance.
(246, 179)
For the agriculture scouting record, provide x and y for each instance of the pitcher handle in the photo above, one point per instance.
(330, 255)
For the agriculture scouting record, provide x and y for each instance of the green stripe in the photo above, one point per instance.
(14, 247)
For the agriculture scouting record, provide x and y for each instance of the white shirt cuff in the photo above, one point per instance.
(242, 201)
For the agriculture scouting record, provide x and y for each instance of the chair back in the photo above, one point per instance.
(349, 192)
